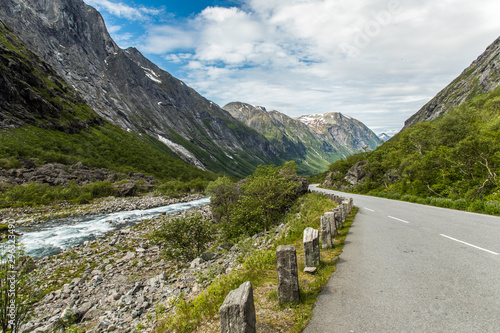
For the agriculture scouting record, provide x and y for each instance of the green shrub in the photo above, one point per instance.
(185, 238)
(255, 204)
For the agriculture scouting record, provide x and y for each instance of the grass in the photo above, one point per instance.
(259, 267)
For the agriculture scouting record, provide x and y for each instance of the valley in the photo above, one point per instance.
(129, 202)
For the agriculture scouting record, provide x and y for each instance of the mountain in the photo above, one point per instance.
(482, 76)
(451, 160)
(312, 141)
(384, 137)
(127, 89)
(343, 131)
(50, 136)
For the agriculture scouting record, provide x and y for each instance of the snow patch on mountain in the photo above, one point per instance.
(185, 154)
(151, 74)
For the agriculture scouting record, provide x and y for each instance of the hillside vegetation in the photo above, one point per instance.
(453, 159)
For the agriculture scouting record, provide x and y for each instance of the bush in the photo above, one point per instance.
(255, 204)
(185, 238)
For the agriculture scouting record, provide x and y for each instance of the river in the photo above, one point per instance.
(56, 235)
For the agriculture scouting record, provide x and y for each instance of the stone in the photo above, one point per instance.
(333, 225)
(311, 247)
(310, 270)
(326, 235)
(288, 276)
(338, 218)
(237, 313)
(158, 280)
(342, 214)
(84, 308)
(208, 256)
(356, 174)
(196, 263)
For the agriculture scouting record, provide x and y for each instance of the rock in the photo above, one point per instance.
(356, 173)
(225, 246)
(76, 281)
(237, 313)
(196, 263)
(311, 247)
(310, 270)
(84, 308)
(128, 256)
(207, 256)
(125, 190)
(158, 280)
(326, 234)
(333, 226)
(288, 276)
(138, 287)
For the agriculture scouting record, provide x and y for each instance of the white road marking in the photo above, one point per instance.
(395, 218)
(474, 246)
(371, 210)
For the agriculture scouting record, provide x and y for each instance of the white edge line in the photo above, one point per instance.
(474, 246)
(395, 218)
(371, 210)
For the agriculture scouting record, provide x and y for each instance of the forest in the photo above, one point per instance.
(451, 161)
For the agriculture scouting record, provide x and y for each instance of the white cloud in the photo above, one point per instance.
(123, 10)
(312, 56)
(166, 39)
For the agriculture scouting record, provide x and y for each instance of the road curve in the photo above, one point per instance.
(413, 268)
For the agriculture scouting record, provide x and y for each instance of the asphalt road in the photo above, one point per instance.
(413, 268)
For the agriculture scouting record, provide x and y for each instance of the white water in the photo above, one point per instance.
(56, 235)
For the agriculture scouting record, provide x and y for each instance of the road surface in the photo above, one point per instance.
(413, 268)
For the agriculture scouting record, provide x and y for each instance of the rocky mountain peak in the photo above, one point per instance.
(320, 123)
(244, 112)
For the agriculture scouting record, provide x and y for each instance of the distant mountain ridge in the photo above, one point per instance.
(312, 141)
(481, 77)
(343, 130)
(384, 136)
(127, 89)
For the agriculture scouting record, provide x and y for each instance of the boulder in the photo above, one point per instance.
(356, 173)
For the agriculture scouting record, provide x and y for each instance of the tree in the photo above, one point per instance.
(223, 196)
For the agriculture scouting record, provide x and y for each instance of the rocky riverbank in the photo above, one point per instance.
(122, 283)
(32, 215)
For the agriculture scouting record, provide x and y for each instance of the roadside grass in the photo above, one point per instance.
(201, 314)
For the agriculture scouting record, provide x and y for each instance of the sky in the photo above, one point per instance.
(378, 61)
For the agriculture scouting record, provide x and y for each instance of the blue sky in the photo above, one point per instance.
(378, 61)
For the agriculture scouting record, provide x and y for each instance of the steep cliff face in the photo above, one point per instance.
(482, 76)
(312, 141)
(130, 91)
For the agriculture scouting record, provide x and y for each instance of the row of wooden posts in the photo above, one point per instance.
(237, 313)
